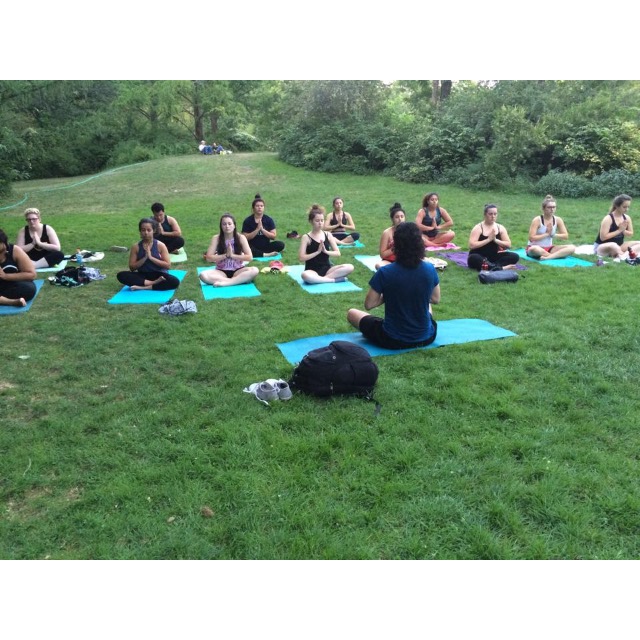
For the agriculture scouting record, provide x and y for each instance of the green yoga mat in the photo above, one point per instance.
(569, 261)
(449, 332)
(181, 256)
(12, 311)
(295, 271)
(147, 296)
(248, 290)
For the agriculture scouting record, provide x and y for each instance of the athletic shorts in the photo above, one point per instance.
(372, 329)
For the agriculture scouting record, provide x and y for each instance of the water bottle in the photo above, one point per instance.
(632, 254)
(79, 259)
(599, 262)
(485, 265)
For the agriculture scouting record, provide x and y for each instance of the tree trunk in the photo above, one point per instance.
(445, 89)
(435, 92)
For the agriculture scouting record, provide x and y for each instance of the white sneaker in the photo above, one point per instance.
(263, 391)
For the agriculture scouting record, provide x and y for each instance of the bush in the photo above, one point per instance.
(611, 183)
(131, 152)
(564, 184)
(243, 141)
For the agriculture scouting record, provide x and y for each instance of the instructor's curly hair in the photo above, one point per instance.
(408, 244)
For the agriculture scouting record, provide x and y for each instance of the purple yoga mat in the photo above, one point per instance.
(460, 258)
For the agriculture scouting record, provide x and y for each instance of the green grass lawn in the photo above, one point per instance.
(122, 424)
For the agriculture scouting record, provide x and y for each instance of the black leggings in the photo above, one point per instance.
(17, 289)
(173, 243)
(341, 235)
(136, 278)
(258, 252)
(503, 258)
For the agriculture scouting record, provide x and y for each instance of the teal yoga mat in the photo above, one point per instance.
(295, 270)
(53, 269)
(210, 292)
(352, 245)
(449, 332)
(148, 296)
(569, 261)
(12, 311)
(278, 256)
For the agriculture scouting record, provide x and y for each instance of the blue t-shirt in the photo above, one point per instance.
(406, 300)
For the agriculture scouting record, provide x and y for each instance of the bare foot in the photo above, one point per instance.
(222, 283)
(509, 267)
(270, 254)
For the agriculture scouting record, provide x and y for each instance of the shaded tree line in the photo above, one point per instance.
(571, 138)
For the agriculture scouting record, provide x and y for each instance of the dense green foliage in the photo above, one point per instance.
(122, 424)
(509, 134)
(573, 138)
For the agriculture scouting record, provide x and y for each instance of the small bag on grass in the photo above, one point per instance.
(491, 277)
(341, 368)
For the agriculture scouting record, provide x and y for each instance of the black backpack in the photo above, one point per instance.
(70, 277)
(342, 368)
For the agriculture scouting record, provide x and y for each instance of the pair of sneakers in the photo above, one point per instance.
(270, 389)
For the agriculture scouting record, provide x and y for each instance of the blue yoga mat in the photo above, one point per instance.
(248, 290)
(369, 261)
(449, 332)
(352, 245)
(11, 311)
(569, 261)
(295, 270)
(148, 296)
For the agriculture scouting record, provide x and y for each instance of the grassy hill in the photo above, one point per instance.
(121, 425)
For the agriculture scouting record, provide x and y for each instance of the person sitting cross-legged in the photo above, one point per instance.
(229, 250)
(407, 288)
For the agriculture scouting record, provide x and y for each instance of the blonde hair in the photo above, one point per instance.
(548, 198)
(32, 210)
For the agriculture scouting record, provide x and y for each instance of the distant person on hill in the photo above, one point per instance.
(229, 250)
(260, 231)
(148, 262)
(316, 247)
(39, 241)
(544, 231)
(169, 231)
(406, 288)
(489, 241)
(434, 222)
(616, 229)
(205, 148)
(387, 254)
(340, 223)
(17, 274)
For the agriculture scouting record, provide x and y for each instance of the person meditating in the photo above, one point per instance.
(149, 262)
(316, 247)
(341, 224)
(616, 229)
(488, 243)
(434, 222)
(229, 250)
(17, 274)
(543, 232)
(39, 241)
(397, 215)
(406, 288)
(169, 231)
(260, 231)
